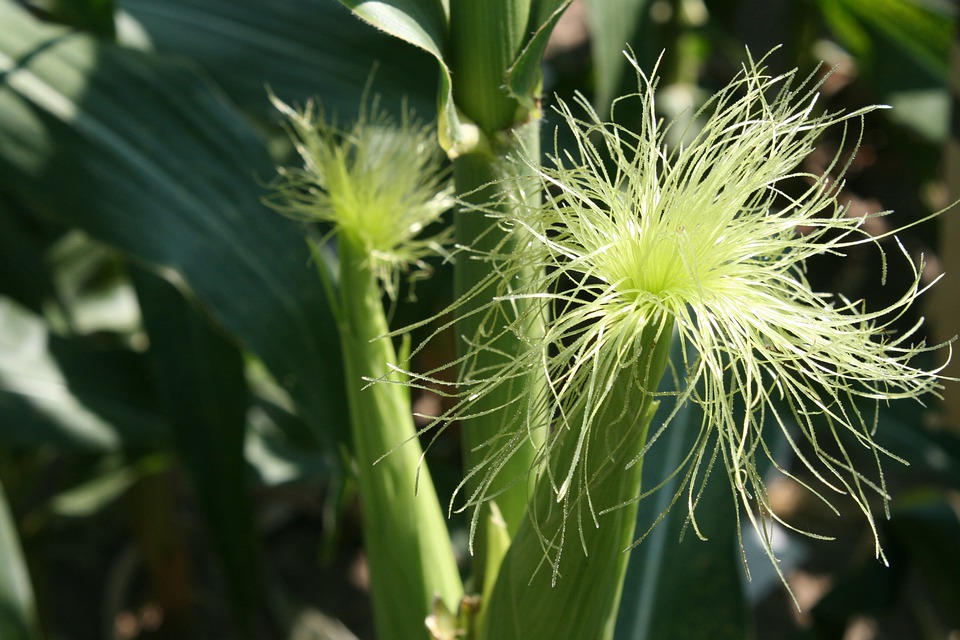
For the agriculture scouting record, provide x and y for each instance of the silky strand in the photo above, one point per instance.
(636, 236)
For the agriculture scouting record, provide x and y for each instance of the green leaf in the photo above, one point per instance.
(24, 274)
(17, 608)
(198, 375)
(525, 75)
(845, 26)
(919, 29)
(93, 292)
(612, 25)
(95, 16)
(147, 158)
(82, 394)
(424, 24)
(677, 585)
(280, 449)
(299, 48)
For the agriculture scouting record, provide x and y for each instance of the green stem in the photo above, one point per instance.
(583, 602)
(485, 38)
(410, 555)
(485, 180)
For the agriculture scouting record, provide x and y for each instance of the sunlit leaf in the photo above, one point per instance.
(146, 157)
(82, 394)
(299, 48)
(923, 30)
(424, 24)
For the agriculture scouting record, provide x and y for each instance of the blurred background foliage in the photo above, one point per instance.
(172, 436)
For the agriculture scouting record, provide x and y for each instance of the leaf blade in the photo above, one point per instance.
(148, 159)
(199, 379)
(299, 48)
(17, 607)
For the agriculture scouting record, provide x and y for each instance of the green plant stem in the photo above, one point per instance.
(583, 602)
(485, 38)
(409, 553)
(484, 180)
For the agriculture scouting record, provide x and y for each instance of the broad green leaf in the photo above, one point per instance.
(82, 394)
(24, 274)
(926, 111)
(279, 447)
(845, 26)
(95, 16)
(147, 158)
(920, 29)
(903, 51)
(17, 607)
(612, 25)
(299, 48)
(93, 292)
(198, 374)
(424, 24)
(677, 585)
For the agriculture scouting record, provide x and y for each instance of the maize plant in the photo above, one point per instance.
(204, 314)
(635, 244)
